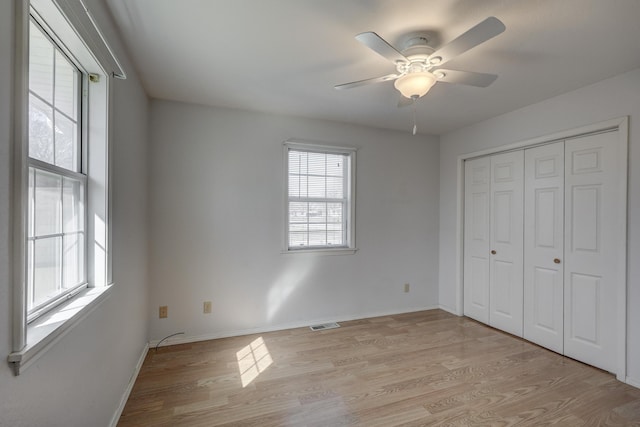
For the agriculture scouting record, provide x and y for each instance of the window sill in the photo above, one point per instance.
(45, 331)
(323, 251)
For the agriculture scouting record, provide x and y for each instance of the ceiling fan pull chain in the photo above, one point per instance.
(413, 106)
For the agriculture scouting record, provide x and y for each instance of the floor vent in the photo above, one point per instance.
(324, 326)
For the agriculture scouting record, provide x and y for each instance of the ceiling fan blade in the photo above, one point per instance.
(380, 46)
(465, 77)
(386, 78)
(482, 32)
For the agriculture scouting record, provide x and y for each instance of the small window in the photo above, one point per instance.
(319, 197)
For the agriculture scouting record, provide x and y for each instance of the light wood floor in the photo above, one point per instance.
(426, 368)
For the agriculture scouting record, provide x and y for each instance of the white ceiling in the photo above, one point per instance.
(285, 56)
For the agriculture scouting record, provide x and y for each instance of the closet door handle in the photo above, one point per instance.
(493, 252)
(556, 260)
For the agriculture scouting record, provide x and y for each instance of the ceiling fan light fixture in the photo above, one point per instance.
(415, 84)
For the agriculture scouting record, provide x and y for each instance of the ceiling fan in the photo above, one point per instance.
(418, 64)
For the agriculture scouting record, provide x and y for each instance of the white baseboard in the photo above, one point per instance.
(185, 339)
(449, 310)
(633, 382)
(127, 392)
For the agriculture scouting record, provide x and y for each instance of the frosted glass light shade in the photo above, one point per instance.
(415, 84)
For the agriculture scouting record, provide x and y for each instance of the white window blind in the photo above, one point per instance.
(319, 197)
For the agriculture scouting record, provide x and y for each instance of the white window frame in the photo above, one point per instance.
(350, 194)
(78, 175)
(69, 24)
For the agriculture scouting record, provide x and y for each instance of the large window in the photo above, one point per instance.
(319, 197)
(61, 210)
(56, 250)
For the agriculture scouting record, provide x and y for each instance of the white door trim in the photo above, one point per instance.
(620, 124)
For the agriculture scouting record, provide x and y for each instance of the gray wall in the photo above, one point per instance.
(81, 380)
(608, 99)
(217, 221)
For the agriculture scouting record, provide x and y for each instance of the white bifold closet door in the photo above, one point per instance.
(544, 246)
(543, 249)
(506, 231)
(476, 238)
(592, 249)
(571, 248)
(493, 240)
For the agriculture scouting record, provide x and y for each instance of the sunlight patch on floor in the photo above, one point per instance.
(253, 360)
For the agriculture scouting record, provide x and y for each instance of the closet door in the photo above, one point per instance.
(476, 239)
(506, 256)
(591, 254)
(544, 245)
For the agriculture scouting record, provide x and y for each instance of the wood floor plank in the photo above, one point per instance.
(416, 369)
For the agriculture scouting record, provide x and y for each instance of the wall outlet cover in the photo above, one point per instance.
(206, 307)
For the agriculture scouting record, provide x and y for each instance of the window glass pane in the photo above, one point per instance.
(335, 187)
(297, 239)
(30, 269)
(304, 158)
(47, 263)
(40, 130)
(298, 227)
(66, 85)
(66, 143)
(317, 186)
(294, 185)
(334, 212)
(298, 212)
(332, 226)
(304, 185)
(317, 238)
(72, 260)
(317, 212)
(40, 64)
(335, 238)
(335, 164)
(31, 195)
(294, 162)
(72, 205)
(318, 227)
(317, 163)
(48, 203)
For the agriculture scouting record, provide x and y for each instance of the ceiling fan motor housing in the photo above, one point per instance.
(417, 45)
(417, 51)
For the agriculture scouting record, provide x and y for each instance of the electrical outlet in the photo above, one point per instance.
(407, 287)
(163, 312)
(206, 307)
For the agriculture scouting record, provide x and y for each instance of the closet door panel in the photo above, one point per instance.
(506, 242)
(544, 246)
(476, 239)
(591, 200)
